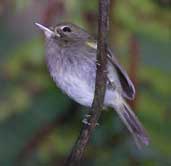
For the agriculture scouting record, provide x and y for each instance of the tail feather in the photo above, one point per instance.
(133, 124)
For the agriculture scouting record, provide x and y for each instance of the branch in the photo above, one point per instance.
(134, 66)
(43, 133)
(87, 130)
(53, 9)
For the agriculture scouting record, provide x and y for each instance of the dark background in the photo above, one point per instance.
(39, 124)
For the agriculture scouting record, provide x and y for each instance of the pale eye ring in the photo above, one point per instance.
(66, 29)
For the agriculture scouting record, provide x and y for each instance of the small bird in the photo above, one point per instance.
(71, 60)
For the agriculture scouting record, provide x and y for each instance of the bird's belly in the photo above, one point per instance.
(75, 87)
(81, 92)
(77, 79)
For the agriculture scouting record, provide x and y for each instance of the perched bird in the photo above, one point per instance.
(71, 60)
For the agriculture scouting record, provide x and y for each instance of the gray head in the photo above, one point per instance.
(65, 32)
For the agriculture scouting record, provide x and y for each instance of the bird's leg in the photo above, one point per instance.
(97, 63)
(86, 119)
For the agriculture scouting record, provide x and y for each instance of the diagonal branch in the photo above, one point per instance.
(87, 130)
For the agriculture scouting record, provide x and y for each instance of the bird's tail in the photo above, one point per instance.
(132, 123)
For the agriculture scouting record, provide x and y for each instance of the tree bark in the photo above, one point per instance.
(100, 86)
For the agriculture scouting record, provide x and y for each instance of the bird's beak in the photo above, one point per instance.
(48, 33)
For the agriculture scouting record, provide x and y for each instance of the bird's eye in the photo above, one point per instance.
(66, 29)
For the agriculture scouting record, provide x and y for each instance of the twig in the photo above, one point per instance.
(53, 9)
(134, 66)
(87, 130)
(43, 133)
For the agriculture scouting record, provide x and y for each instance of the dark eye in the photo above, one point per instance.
(66, 29)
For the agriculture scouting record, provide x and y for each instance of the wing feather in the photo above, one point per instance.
(126, 83)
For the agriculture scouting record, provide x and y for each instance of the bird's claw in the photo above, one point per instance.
(97, 63)
(85, 120)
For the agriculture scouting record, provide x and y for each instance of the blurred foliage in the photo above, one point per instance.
(144, 17)
(39, 124)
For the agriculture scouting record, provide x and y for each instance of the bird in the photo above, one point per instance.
(71, 61)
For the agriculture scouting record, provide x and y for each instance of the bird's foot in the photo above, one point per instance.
(86, 119)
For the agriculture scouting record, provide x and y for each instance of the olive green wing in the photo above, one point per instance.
(128, 90)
